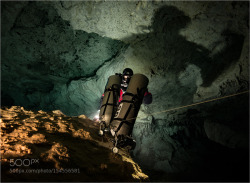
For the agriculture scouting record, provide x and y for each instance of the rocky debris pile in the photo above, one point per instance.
(50, 146)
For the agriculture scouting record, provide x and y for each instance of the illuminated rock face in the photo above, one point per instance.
(59, 55)
(50, 146)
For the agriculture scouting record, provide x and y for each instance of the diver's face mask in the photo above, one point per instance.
(125, 82)
(126, 79)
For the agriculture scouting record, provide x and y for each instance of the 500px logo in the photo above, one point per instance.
(23, 162)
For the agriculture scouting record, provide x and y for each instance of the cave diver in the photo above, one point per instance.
(120, 104)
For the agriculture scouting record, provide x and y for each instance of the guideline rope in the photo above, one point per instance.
(194, 104)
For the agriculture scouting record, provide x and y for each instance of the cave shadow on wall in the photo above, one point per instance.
(175, 53)
(166, 24)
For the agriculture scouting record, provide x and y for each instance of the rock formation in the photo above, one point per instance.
(59, 55)
(50, 146)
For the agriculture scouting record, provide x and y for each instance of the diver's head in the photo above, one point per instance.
(126, 75)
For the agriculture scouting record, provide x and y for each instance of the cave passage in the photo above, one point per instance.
(59, 56)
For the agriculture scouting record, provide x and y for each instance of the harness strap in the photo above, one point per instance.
(112, 88)
(124, 119)
(107, 104)
(128, 101)
(122, 122)
(129, 94)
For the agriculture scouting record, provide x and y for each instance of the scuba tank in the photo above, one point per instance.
(109, 102)
(121, 126)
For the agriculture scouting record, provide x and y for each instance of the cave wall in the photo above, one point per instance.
(59, 55)
(42, 54)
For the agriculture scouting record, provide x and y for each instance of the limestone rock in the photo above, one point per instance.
(60, 149)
